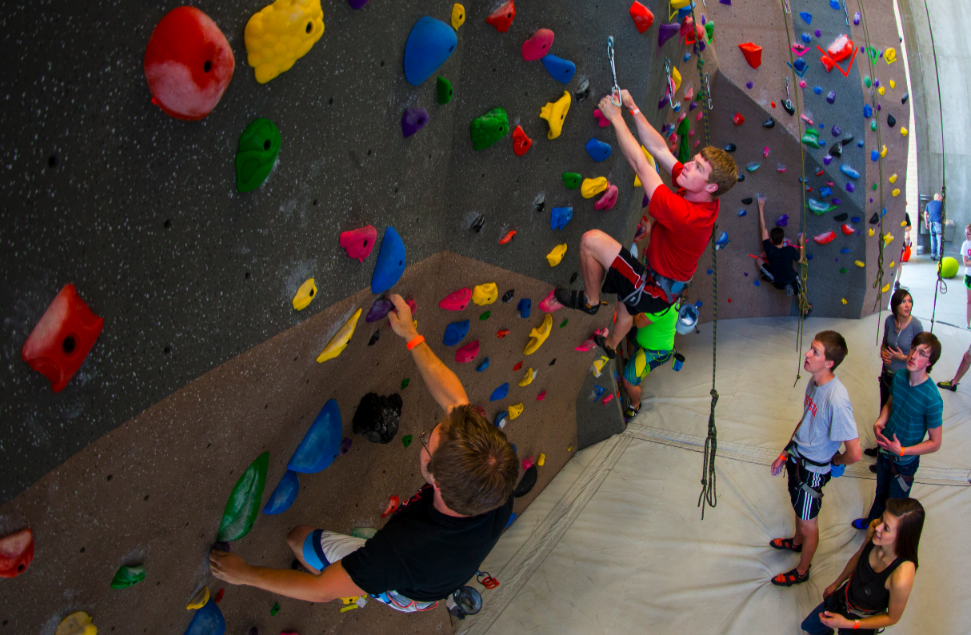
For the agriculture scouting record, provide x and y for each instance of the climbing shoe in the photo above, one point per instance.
(573, 299)
(785, 543)
(871, 451)
(630, 412)
(601, 341)
(791, 578)
(859, 523)
(948, 385)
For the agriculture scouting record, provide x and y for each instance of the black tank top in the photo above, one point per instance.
(867, 592)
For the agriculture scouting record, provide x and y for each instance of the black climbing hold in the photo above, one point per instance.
(508, 295)
(527, 482)
(769, 123)
(788, 107)
(478, 223)
(747, 201)
(374, 338)
(836, 150)
(848, 138)
(221, 546)
(839, 218)
(741, 177)
(539, 202)
(875, 218)
(583, 91)
(573, 278)
(891, 120)
(377, 417)
(731, 147)
(553, 362)
(904, 99)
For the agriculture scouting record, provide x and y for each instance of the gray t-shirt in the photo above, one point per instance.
(827, 423)
(901, 340)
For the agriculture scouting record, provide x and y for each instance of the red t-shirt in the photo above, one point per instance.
(681, 231)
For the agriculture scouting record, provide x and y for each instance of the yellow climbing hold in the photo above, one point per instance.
(528, 378)
(888, 238)
(555, 256)
(650, 161)
(882, 90)
(676, 77)
(485, 294)
(903, 223)
(885, 288)
(515, 411)
(598, 366)
(883, 151)
(859, 263)
(591, 187)
(339, 342)
(674, 6)
(555, 113)
(305, 295)
(199, 599)
(77, 624)
(570, 449)
(903, 131)
(539, 334)
(280, 34)
(893, 263)
(893, 84)
(843, 300)
(458, 16)
(541, 460)
(890, 55)
(893, 178)
(896, 192)
(870, 233)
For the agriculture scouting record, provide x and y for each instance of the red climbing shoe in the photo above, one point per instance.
(785, 543)
(791, 578)
(573, 299)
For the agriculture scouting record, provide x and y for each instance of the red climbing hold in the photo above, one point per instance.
(219, 595)
(643, 18)
(16, 553)
(391, 508)
(847, 230)
(823, 239)
(603, 121)
(188, 64)
(467, 353)
(517, 366)
(62, 338)
(541, 396)
(359, 242)
(509, 234)
(538, 45)
(502, 17)
(840, 49)
(738, 119)
(752, 53)
(456, 300)
(608, 200)
(502, 333)
(520, 142)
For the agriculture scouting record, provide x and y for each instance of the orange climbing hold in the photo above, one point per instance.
(16, 553)
(752, 53)
(520, 142)
(643, 18)
(501, 333)
(509, 234)
(391, 508)
(502, 17)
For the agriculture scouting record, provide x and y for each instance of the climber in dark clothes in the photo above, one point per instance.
(779, 255)
(436, 541)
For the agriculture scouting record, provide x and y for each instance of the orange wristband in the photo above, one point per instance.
(902, 449)
(856, 625)
(415, 342)
(784, 456)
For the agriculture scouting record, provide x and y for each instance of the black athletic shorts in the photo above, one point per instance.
(806, 506)
(621, 278)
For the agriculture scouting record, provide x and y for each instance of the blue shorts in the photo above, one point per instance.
(646, 361)
(313, 554)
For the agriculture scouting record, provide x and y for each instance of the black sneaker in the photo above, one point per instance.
(947, 385)
(601, 341)
(871, 451)
(573, 299)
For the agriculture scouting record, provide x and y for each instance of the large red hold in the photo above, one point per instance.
(826, 238)
(62, 339)
(16, 553)
(502, 17)
(188, 64)
(752, 53)
(643, 18)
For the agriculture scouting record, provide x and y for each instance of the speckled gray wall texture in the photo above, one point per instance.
(140, 211)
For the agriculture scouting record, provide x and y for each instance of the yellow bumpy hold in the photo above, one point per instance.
(843, 300)
(896, 192)
(539, 334)
(893, 84)
(893, 263)
(485, 294)
(540, 460)
(598, 366)
(305, 295)
(556, 256)
(650, 161)
(883, 151)
(77, 624)
(591, 187)
(199, 599)
(555, 113)
(515, 411)
(458, 16)
(676, 78)
(882, 90)
(338, 343)
(280, 34)
(528, 379)
(903, 131)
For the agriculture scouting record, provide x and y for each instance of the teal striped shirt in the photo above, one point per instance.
(914, 411)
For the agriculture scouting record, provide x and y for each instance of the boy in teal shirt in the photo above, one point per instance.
(655, 346)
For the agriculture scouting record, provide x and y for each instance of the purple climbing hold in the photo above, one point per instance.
(413, 120)
(835, 201)
(692, 106)
(831, 97)
(378, 310)
(664, 102)
(357, 4)
(850, 187)
(782, 221)
(827, 159)
(856, 18)
(749, 85)
(837, 131)
(665, 32)
(345, 446)
(818, 33)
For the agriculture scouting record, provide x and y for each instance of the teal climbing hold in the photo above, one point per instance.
(560, 69)
(500, 392)
(572, 180)
(850, 172)
(819, 207)
(259, 147)
(489, 128)
(244, 501)
(321, 443)
(430, 43)
(284, 494)
(560, 217)
(444, 90)
(391, 262)
(455, 331)
(208, 620)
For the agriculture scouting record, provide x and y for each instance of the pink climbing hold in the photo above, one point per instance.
(537, 46)
(550, 304)
(502, 17)
(456, 300)
(359, 242)
(603, 121)
(528, 462)
(467, 353)
(752, 53)
(826, 238)
(412, 305)
(643, 18)
(541, 396)
(606, 400)
(589, 343)
(608, 200)
(847, 229)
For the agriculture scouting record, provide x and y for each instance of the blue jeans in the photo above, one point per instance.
(936, 232)
(813, 626)
(889, 485)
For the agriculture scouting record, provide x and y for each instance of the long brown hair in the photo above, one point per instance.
(911, 515)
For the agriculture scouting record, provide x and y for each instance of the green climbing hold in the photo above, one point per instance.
(842, 269)
(819, 207)
(564, 323)
(364, 532)
(244, 503)
(684, 151)
(867, 81)
(811, 138)
(128, 576)
(405, 382)
(873, 124)
(572, 180)
(275, 608)
(406, 440)
(444, 90)
(710, 30)
(874, 187)
(485, 316)
(259, 146)
(489, 128)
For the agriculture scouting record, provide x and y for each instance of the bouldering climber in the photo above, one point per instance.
(775, 262)
(683, 220)
(653, 343)
(431, 545)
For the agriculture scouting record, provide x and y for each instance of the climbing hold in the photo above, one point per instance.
(538, 335)
(286, 492)
(528, 463)
(769, 123)
(457, 300)
(752, 166)
(16, 553)
(515, 411)
(891, 120)
(752, 53)
(895, 193)
(502, 17)
(742, 212)
(836, 150)
(538, 45)
(881, 91)
(765, 152)
(542, 395)
(244, 501)
(489, 128)
(665, 32)
(524, 307)
(338, 343)
(405, 382)
(520, 142)
(817, 90)
(602, 121)
(526, 483)
(390, 264)
(591, 187)
(502, 419)
(560, 217)
(528, 377)
(859, 264)
(485, 293)
(782, 221)
(321, 443)
(826, 238)
(738, 119)
(598, 150)
(903, 100)
(467, 353)
(850, 172)
(280, 34)
(555, 113)
(837, 131)
(485, 316)
(572, 180)
(890, 56)
(555, 256)
(731, 147)
(378, 310)
(500, 392)
(508, 236)
(806, 16)
(359, 242)
(345, 446)
(642, 16)
(839, 218)
(201, 597)
(430, 43)
(391, 507)
(377, 418)
(128, 576)
(561, 70)
(305, 295)
(413, 120)
(501, 333)
(722, 241)
(77, 624)
(458, 16)
(455, 331)
(811, 138)
(608, 200)
(831, 96)
(589, 343)
(597, 367)
(259, 147)
(847, 230)
(867, 111)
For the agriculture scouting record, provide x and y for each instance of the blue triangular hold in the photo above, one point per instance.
(560, 217)
(430, 43)
(391, 262)
(560, 69)
(500, 392)
(321, 443)
(481, 367)
(455, 331)
(284, 494)
(806, 16)
(208, 620)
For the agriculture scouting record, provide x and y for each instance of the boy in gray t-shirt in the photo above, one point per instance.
(813, 450)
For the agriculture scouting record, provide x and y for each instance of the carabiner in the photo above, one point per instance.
(615, 97)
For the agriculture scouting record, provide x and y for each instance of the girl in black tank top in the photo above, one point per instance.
(866, 593)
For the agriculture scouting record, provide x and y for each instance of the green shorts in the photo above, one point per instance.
(967, 282)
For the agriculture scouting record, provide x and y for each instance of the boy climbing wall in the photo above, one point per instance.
(779, 255)
(683, 222)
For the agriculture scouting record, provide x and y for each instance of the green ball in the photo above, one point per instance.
(949, 267)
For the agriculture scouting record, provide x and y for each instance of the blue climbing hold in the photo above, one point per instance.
(321, 443)
(561, 216)
(687, 56)
(481, 367)
(856, 219)
(284, 494)
(598, 150)
(800, 67)
(560, 69)
(741, 213)
(806, 16)
(867, 110)
(859, 144)
(524, 307)
(500, 417)
(874, 155)
(834, 4)
(806, 37)
(455, 331)
(500, 392)
(825, 191)
(391, 262)
(208, 620)
(430, 43)
(722, 241)
(817, 90)
(850, 172)
(809, 256)
(845, 250)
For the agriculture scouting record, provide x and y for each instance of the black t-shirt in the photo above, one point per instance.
(423, 554)
(781, 260)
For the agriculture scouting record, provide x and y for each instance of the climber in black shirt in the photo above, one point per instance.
(436, 541)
